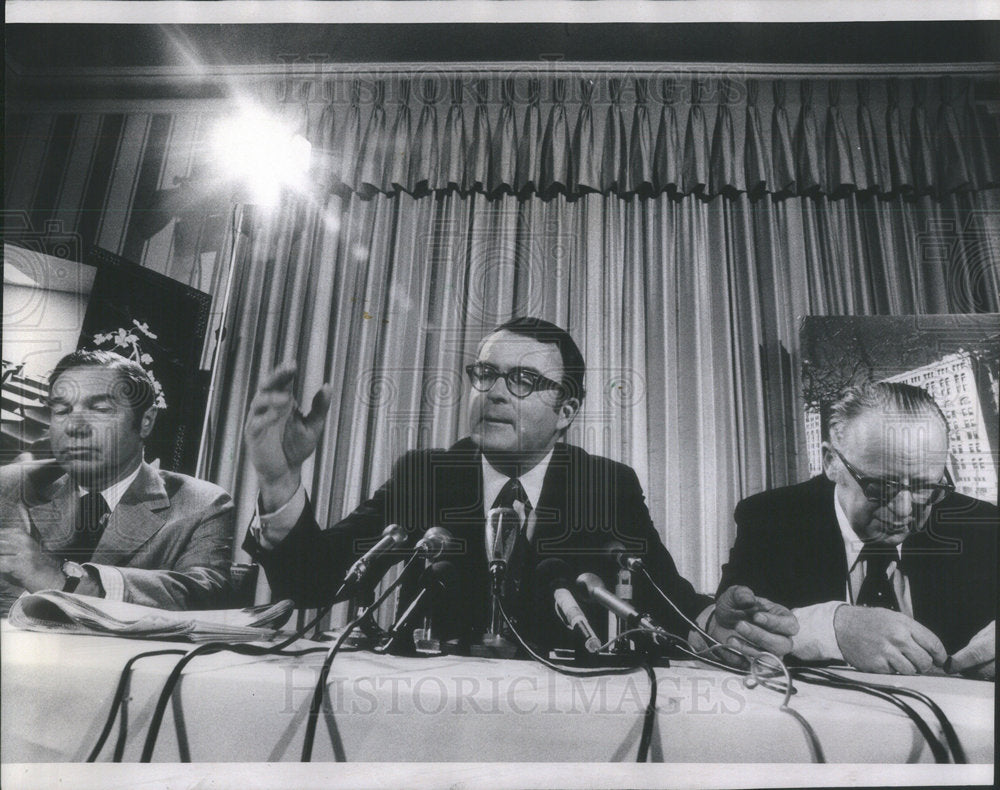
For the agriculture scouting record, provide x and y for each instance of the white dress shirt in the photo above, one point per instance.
(111, 578)
(816, 639)
(531, 481)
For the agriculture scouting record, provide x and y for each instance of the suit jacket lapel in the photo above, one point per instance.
(835, 571)
(53, 511)
(138, 516)
(553, 505)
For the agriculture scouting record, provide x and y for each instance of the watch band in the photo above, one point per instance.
(73, 574)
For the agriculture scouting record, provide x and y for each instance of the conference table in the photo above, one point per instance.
(57, 689)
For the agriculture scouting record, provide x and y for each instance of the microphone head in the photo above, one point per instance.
(434, 542)
(622, 557)
(502, 525)
(616, 550)
(444, 574)
(396, 532)
(553, 572)
(588, 583)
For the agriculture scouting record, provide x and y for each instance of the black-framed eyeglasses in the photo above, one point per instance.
(882, 491)
(521, 382)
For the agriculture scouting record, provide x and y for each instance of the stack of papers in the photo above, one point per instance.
(66, 613)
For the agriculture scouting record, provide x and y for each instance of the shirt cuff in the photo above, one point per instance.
(112, 580)
(269, 529)
(817, 639)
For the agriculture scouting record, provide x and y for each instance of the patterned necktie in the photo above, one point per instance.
(876, 589)
(92, 517)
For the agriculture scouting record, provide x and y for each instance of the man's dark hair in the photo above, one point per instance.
(133, 386)
(542, 331)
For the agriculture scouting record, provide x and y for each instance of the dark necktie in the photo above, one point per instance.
(876, 589)
(91, 518)
(521, 554)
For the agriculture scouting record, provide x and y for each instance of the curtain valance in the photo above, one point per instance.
(626, 134)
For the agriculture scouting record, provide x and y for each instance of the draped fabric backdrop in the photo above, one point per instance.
(679, 226)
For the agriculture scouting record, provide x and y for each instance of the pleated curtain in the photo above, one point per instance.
(678, 225)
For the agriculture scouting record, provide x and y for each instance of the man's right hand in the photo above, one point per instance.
(874, 639)
(279, 437)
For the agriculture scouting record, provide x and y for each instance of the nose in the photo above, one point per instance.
(498, 393)
(902, 503)
(78, 426)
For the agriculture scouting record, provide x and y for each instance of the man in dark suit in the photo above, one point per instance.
(97, 519)
(883, 563)
(527, 385)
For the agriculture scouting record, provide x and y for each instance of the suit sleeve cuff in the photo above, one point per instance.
(269, 529)
(816, 639)
(111, 579)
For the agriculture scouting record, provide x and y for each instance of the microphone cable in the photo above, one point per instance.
(891, 695)
(153, 731)
(752, 675)
(116, 703)
(319, 689)
(649, 717)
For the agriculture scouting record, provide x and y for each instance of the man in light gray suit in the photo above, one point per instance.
(97, 519)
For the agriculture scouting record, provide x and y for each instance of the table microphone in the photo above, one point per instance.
(555, 574)
(623, 558)
(391, 537)
(437, 580)
(596, 592)
(434, 542)
(502, 526)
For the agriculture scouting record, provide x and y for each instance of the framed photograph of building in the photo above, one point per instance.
(956, 358)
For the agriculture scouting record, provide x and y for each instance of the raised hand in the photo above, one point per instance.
(279, 437)
(874, 639)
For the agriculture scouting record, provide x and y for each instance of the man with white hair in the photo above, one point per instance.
(885, 566)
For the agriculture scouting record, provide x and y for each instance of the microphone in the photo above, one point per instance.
(596, 592)
(622, 557)
(434, 542)
(436, 581)
(555, 574)
(391, 536)
(502, 526)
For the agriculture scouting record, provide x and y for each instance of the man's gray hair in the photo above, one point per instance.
(891, 399)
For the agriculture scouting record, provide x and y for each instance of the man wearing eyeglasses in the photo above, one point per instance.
(884, 564)
(527, 386)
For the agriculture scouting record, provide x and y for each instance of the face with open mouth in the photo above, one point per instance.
(906, 453)
(515, 429)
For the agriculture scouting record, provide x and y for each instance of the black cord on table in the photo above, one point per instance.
(649, 718)
(319, 690)
(888, 694)
(116, 703)
(175, 674)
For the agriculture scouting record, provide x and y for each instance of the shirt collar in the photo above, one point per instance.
(852, 543)
(113, 494)
(531, 481)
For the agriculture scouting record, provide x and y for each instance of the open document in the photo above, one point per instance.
(66, 613)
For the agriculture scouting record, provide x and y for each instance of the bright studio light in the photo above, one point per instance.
(263, 153)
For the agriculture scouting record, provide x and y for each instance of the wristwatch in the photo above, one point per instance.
(73, 573)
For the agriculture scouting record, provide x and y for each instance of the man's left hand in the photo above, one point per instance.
(978, 658)
(751, 624)
(23, 562)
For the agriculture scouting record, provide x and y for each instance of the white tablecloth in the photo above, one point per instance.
(56, 691)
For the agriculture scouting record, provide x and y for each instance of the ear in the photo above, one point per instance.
(830, 464)
(567, 411)
(147, 421)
